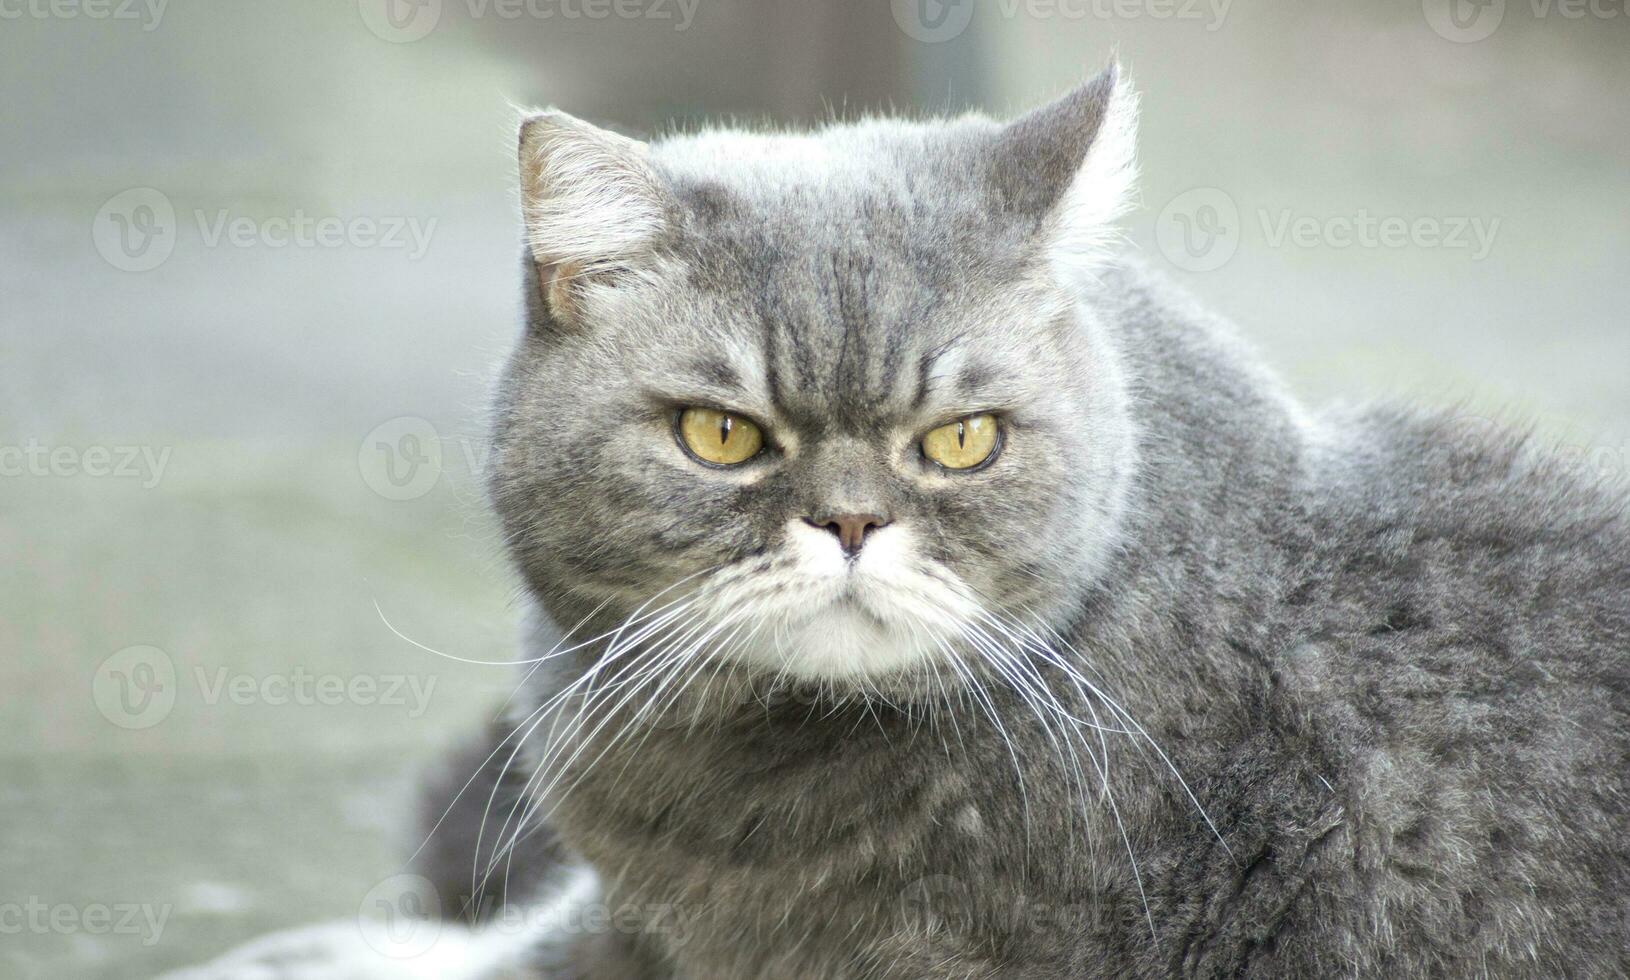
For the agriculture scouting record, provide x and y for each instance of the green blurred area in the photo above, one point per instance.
(268, 550)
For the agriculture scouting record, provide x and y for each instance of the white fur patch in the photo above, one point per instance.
(589, 196)
(343, 950)
(336, 951)
(1084, 222)
(829, 618)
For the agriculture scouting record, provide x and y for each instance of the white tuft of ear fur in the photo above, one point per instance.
(589, 197)
(1082, 226)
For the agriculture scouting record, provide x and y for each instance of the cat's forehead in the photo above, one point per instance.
(829, 336)
(835, 158)
(862, 227)
(890, 188)
(835, 276)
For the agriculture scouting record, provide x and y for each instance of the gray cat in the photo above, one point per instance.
(925, 591)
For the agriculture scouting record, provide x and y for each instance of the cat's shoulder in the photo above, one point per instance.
(1447, 536)
(1466, 481)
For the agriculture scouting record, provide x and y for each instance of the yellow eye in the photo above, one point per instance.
(963, 444)
(719, 438)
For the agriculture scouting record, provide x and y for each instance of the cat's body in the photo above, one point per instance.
(1384, 649)
(1181, 680)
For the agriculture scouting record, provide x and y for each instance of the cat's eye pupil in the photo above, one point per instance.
(963, 444)
(718, 437)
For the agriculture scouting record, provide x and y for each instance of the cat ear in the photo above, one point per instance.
(1073, 164)
(590, 200)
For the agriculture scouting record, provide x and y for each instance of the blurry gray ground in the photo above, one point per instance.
(263, 551)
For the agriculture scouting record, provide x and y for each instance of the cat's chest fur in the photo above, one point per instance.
(861, 844)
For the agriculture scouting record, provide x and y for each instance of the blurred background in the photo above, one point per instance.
(257, 266)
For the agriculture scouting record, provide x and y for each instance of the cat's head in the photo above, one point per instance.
(837, 398)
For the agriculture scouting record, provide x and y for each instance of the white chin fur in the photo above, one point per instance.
(825, 618)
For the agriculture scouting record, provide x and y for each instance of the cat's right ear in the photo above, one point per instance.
(591, 203)
(1073, 164)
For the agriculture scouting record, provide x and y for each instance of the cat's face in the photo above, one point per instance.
(832, 399)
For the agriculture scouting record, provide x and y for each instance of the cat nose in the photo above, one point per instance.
(849, 529)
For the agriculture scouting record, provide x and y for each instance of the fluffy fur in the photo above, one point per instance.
(1190, 681)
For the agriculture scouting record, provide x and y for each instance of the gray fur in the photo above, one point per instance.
(1385, 652)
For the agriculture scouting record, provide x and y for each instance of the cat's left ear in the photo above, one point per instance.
(1072, 164)
(591, 202)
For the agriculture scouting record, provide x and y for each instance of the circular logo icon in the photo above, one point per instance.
(1464, 21)
(933, 21)
(939, 903)
(401, 916)
(400, 21)
(1199, 230)
(136, 687)
(1473, 432)
(401, 459)
(135, 229)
